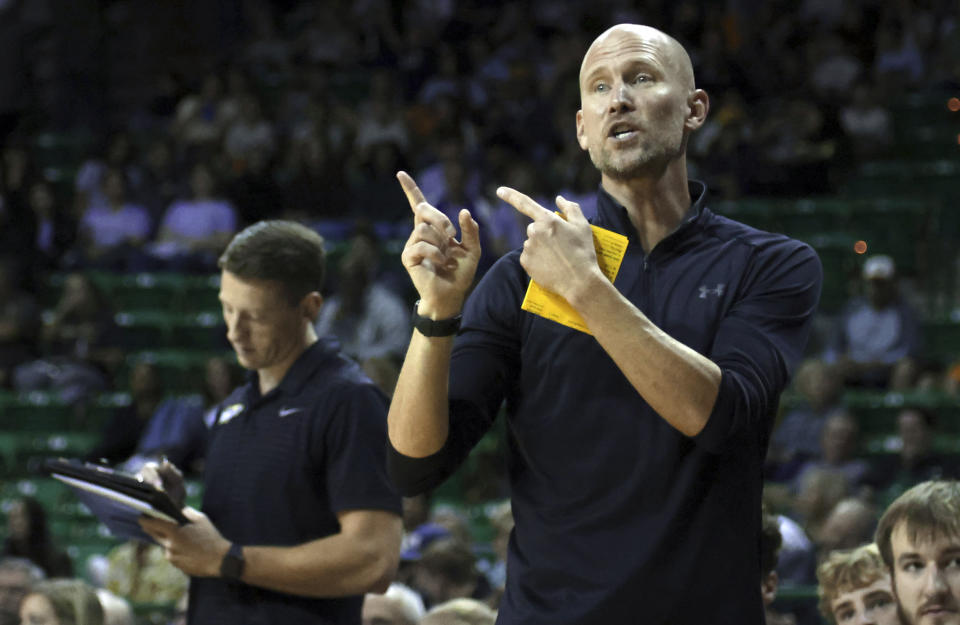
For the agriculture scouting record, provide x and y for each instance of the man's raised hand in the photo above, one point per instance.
(558, 254)
(440, 267)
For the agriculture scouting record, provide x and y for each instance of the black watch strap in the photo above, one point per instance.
(435, 327)
(232, 565)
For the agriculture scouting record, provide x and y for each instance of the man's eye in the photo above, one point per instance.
(844, 615)
(641, 78)
(879, 602)
(912, 567)
(600, 86)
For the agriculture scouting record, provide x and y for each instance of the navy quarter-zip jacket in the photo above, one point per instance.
(620, 518)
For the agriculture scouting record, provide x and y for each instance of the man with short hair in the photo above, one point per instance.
(636, 447)
(854, 587)
(919, 539)
(299, 518)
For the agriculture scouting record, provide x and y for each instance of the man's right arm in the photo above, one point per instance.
(442, 270)
(418, 421)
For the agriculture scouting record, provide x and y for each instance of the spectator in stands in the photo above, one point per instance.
(799, 434)
(819, 493)
(839, 443)
(175, 431)
(313, 179)
(371, 321)
(79, 344)
(250, 134)
(116, 610)
(17, 577)
(28, 536)
(220, 377)
(797, 558)
(867, 123)
(139, 572)
(854, 587)
(877, 338)
(62, 602)
(49, 226)
(198, 120)
(113, 229)
(161, 183)
(19, 321)
(770, 541)
(919, 540)
(16, 173)
(119, 436)
(195, 230)
(118, 153)
(461, 611)
(501, 518)
(916, 461)
(447, 569)
(400, 605)
(851, 523)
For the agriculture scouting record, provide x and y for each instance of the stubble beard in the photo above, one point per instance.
(642, 161)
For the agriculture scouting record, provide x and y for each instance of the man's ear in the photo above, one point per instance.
(699, 106)
(581, 136)
(310, 305)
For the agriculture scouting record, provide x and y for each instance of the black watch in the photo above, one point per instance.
(232, 565)
(435, 327)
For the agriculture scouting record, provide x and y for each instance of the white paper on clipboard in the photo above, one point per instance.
(120, 498)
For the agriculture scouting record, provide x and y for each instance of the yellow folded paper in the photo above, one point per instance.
(610, 247)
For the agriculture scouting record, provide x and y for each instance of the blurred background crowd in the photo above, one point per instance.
(137, 137)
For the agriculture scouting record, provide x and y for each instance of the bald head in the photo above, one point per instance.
(621, 37)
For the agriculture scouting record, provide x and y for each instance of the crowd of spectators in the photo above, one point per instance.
(310, 110)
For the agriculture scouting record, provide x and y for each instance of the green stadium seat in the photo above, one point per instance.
(37, 411)
(941, 339)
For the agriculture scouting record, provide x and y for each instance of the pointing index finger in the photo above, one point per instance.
(411, 190)
(522, 203)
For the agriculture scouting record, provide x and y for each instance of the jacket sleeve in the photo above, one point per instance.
(760, 341)
(483, 368)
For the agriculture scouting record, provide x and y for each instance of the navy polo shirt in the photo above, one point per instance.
(620, 518)
(278, 469)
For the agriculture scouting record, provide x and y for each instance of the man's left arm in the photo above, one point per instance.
(362, 557)
(683, 386)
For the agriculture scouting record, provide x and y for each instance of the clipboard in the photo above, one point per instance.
(118, 499)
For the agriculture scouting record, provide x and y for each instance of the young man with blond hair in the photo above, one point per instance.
(854, 587)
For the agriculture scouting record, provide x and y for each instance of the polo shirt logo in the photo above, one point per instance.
(705, 290)
(286, 412)
(229, 413)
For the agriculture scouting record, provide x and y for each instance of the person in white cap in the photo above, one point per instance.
(878, 335)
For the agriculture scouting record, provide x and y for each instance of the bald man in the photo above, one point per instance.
(636, 446)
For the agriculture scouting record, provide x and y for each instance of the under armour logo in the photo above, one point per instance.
(718, 291)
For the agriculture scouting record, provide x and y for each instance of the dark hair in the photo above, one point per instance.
(927, 510)
(281, 251)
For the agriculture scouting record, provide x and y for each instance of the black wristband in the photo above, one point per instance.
(232, 565)
(435, 327)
